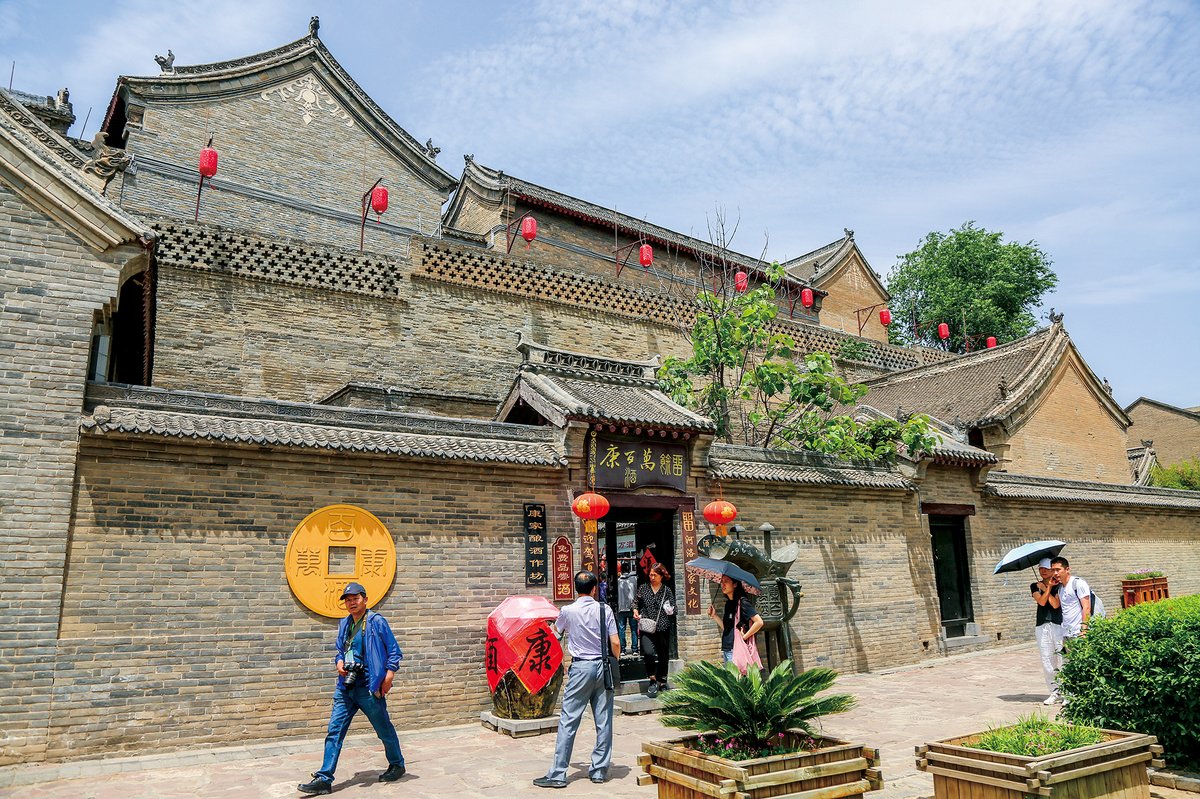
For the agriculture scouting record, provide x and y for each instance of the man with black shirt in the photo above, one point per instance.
(1048, 631)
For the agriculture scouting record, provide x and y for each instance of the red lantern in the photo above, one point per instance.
(885, 317)
(379, 199)
(720, 512)
(208, 162)
(991, 342)
(943, 331)
(741, 282)
(646, 255)
(806, 298)
(529, 232)
(589, 506)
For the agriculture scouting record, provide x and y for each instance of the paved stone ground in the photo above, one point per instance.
(896, 710)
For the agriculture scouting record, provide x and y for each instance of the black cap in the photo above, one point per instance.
(353, 588)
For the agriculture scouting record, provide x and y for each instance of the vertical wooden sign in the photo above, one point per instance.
(536, 561)
(564, 575)
(587, 554)
(687, 523)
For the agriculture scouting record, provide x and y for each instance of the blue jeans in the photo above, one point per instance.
(345, 705)
(727, 655)
(585, 686)
(625, 619)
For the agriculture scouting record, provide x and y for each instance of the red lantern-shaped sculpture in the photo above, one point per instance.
(741, 282)
(885, 317)
(943, 331)
(379, 199)
(208, 162)
(590, 506)
(991, 342)
(720, 512)
(528, 229)
(806, 298)
(645, 255)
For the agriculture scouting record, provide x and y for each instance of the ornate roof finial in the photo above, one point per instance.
(314, 25)
(849, 233)
(469, 157)
(166, 63)
(429, 148)
(1055, 318)
(1003, 387)
(63, 98)
(1147, 442)
(1107, 386)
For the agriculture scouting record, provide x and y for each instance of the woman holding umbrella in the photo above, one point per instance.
(738, 618)
(654, 607)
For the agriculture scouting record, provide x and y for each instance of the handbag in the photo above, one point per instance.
(650, 626)
(745, 653)
(610, 665)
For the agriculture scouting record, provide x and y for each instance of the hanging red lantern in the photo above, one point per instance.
(720, 512)
(208, 162)
(885, 317)
(806, 298)
(943, 331)
(589, 506)
(646, 255)
(528, 229)
(991, 342)
(379, 199)
(741, 282)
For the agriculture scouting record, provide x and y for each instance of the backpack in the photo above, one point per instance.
(1096, 603)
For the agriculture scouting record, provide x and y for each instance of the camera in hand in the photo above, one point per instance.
(354, 672)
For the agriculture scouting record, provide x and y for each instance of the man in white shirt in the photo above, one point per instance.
(585, 683)
(1074, 598)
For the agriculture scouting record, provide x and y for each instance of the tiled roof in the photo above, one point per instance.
(949, 449)
(729, 462)
(1016, 486)
(155, 412)
(563, 386)
(805, 267)
(981, 388)
(1188, 413)
(1142, 461)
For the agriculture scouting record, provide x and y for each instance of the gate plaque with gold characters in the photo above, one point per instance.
(336, 545)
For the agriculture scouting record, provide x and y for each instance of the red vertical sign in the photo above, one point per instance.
(564, 574)
(687, 521)
(587, 555)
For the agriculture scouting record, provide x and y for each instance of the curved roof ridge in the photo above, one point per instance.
(831, 246)
(957, 362)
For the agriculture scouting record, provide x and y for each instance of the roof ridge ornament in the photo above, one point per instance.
(166, 62)
(1055, 318)
(314, 25)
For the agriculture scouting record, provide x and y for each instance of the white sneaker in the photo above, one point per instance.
(1050, 700)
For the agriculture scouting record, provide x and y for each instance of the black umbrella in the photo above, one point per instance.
(715, 569)
(1027, 555)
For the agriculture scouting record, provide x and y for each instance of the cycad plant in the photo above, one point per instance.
(748, 709)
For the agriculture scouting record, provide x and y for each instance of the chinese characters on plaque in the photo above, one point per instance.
(687, 523)
(564, 574)
(636, 463)
(536, 561)
(588, 543)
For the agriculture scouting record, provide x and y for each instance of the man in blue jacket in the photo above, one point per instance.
(367, 659)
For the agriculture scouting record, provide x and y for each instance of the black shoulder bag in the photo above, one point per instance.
(610, 664)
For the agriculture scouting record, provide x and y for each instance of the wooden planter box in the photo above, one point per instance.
(1115, 769)
(1151, 589)
(836, 770)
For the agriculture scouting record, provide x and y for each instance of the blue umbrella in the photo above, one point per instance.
(1027, 555)
(715, 569)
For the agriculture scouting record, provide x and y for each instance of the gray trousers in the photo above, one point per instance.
(585, 686)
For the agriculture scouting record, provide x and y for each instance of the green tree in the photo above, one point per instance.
(970, 270)
(1184, 475)
(744, 375)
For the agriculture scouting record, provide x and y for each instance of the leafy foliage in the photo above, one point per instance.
(746, 708)
(734, 749)
(744, 375)
(998, 285)
(1144, 574)
(1140, 671)
(852, 350)
(1034, 735)
(1184, 475)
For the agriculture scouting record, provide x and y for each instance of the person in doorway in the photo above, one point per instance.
(654, 609)
(1048, 629)
(1074, 597)
(581, 622)
(739, 607)
(367, 659)
(626, 589)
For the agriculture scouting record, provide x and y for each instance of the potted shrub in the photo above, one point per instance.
(1040, 757)
(754, 737)
(1143, 586)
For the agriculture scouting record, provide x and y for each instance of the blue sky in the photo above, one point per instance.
(1075, 124)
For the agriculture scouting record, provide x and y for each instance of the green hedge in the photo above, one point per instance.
(1140, 671)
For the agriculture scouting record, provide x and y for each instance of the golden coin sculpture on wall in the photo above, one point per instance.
(318, 576)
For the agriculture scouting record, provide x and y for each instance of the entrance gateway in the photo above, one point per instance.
(951, 569)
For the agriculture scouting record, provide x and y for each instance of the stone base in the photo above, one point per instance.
(634, 704)
(519, 728)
